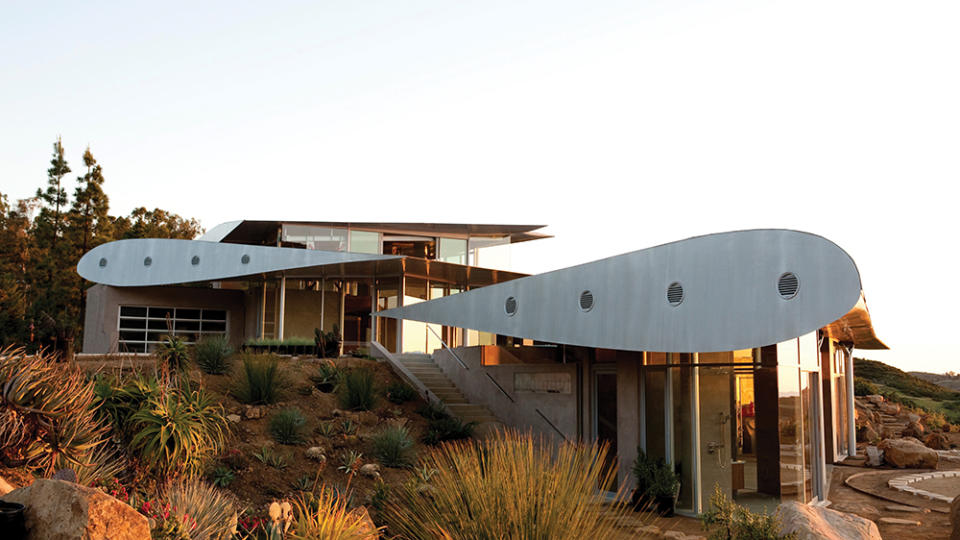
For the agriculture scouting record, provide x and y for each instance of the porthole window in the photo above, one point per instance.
(586, 301)
(103, 262)
(675, 294)
(788, 285)
(147, 261)
(195, 260)
(510, 306)
(245, 259)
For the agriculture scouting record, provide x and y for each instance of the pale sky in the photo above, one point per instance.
(622, 125)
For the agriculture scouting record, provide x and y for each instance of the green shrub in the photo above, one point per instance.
(432, 411)
(259, 381)
(221, 476)
(119, 398)
(286, 426)
(730, 520)
(508, 486)
(176, 431)
(448, 429)
(399, 392)
(393, 447)
(47, 416)
(267, 456)
(327, 376)
(212, 354)
(328, 516)
(863, 387)
(209, 514)
(173, 352)
(357, 390)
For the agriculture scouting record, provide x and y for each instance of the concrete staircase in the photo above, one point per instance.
(424, 369)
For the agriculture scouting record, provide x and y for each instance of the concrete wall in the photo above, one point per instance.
(628, 416)
(103, 310)
(476, 386)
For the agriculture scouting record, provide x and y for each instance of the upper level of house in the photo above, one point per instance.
(483, 245)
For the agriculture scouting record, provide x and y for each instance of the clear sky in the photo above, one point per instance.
(621, 125)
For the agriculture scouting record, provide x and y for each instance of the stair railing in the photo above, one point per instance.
(447, 347)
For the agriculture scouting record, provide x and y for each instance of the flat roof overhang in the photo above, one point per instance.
(856, 327)
(264, 232)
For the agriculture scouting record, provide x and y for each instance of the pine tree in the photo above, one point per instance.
(55, 197)
(14, 229)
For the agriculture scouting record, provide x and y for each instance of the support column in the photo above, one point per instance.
(851, 424)
(262, 323)
(283, 305)
(343, 298)
(400, 292)
(323, 300)
(695, 433)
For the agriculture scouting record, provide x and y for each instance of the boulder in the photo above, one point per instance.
(914, 429)
(876, 399)
(890, 432)
(955, 518)
(368, 418)
(5, 487)
(235, 418)
(59, 510)
(937, 441)
(913, 417)
(867, 434)
(874, 456)
(891, 409)
(908, 453)
(371, 470)
(818, 523)
(367, 529)
(315, 453)
(253, 412)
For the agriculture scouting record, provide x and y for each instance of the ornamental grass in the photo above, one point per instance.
(511, 485)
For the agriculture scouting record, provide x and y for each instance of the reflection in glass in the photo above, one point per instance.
(453, 250)
(365, 242)
(791, 433)
(315, 237)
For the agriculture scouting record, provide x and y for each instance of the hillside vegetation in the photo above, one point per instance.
(896, 385)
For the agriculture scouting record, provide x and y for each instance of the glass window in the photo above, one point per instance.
(453, 250)
(142, 333)
(490, 252)
(787, 353)
(314, 237)
(791, 433)
(364, 242)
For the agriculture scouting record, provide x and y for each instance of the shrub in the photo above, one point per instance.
(326, 516)
(212, 354)
(118, 399)
(510, 485)
(327, 377)
(357, 391)
(448, 429)
(328, 343)
(176, 431)
(393, 447)
(432, 411)
(267, 456)
(208, 513)
(730, 520)
(221, 476)
(173, 353)
(286, 426)
(259, 381)
(399, 392)
(47, 416)
(936, 421)
(863, 387)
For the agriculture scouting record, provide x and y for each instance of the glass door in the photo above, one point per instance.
(605, 411)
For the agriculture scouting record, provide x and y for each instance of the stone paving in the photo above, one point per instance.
(938, 485)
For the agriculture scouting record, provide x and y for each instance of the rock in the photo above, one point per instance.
(367, 529)
(816, 523)
(955, 518)
(908, 453)
(315, 453)
(673, 535)
(235, 418)
(5, 487)
(874, 456)
(651, 531)
(58, 510)
(371, 470)
(937, 441)
(876, 399)
(914, 429)
(898, 521)
(891, 409)
(913, 417)
(67, 475)
(905, 508)
(890, 432)
(867, 434)
(253, 412)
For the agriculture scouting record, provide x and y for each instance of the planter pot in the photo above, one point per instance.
(665, 505)
(12, 525)
(638, 499)
(325, 387)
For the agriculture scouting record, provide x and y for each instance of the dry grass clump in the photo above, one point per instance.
(326, 517)
(511, 485)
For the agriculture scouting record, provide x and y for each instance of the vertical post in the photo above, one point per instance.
(283, 305)
(851, 425)
(374, 298)
(668, 412)
(263, 310)
(820, 453)
(400, 293)
(343, 298)
(323, 300)
(695, 432)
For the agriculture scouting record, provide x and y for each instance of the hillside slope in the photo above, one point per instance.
(909, 389)
(951, 382)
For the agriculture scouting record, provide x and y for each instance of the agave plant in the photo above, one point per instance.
(47, 416)
(176, 431)
(212, 515)
(173, 353)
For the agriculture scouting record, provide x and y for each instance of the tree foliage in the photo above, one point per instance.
(43, 237)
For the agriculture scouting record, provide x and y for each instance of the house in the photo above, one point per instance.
(280, 279)
(727, 355)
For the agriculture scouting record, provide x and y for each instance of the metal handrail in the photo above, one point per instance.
(444, 343)
(547, 420)
(504, 392)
